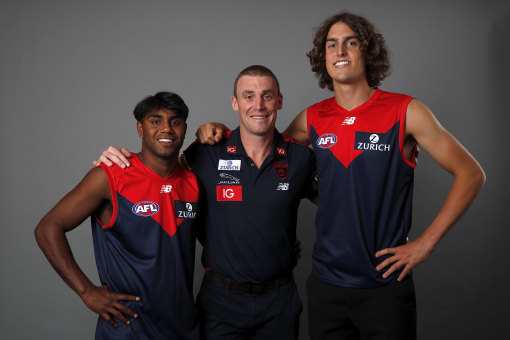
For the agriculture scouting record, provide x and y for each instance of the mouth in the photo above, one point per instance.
(166, 141)
(342, 63)
(260, 116)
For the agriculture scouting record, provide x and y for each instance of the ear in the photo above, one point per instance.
(280, 101)
(235, 104)
(139, 129)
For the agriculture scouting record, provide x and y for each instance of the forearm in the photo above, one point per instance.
(464, 190)
(53, 242)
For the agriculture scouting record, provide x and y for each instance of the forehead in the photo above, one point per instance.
(256, 83)
(164, 113)
(340, 30)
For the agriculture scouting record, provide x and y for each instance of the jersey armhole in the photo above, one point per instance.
(111, 184)
(308, 122)
(401, 134)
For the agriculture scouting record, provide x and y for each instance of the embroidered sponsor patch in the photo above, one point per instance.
(229, 193)
(228, 179)
(185, 209)
(232, 149)
(281, 151)
(229, 164)
(368, 141)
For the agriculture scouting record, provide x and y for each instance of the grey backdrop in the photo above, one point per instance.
(71, 72)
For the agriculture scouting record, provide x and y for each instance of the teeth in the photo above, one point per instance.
(164, 140)
(341, 63)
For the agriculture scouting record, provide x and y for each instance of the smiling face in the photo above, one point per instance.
(345, 62)
(162, 134)
(257, 100)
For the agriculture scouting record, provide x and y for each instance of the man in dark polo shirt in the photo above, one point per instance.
(253, 182)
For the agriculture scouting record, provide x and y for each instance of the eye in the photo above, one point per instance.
(351, 43)
(248, 97)
(331, 45)
(155, 121)
(175, 122)
(268, 97)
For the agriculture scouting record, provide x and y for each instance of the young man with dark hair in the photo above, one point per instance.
(143, 230)
(365, 141)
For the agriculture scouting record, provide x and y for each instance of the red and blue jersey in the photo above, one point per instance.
(251, 213)
(365, 187)
(147, 249)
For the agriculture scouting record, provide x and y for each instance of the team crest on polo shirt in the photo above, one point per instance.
(232, 149)
(281, 169)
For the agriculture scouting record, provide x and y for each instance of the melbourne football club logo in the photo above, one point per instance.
(281, 169)
(327, 140)
(145, 208)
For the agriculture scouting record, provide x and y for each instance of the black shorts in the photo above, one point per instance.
(361, 313)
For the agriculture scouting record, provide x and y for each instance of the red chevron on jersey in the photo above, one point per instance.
(338, 129)
(161, 199)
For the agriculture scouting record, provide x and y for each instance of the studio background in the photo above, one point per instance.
(72, 71)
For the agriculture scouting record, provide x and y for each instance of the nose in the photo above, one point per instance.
(260, 103)
(166, 126)
(342, 50)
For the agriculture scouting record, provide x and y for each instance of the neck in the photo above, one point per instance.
(350, 96)
(161, 166)
(257, 147)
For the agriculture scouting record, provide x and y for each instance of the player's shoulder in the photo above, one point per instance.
(324, 104)
(296, 147)
(387, 97)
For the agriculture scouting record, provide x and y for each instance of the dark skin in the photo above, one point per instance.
(162, 134)
(91, 195)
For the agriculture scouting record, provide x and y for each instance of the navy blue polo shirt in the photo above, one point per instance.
(251, 214)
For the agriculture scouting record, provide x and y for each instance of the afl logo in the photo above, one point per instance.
(326, 141)
(145, 208)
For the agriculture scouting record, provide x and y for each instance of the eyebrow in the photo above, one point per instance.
(344, 39)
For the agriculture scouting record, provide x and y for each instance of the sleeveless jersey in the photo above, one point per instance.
(147, 249)
(365, 187)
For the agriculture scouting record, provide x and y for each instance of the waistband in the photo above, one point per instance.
(255, 288)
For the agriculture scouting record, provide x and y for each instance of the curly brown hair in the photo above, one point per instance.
(373, 46)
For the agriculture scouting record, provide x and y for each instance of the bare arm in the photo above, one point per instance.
(298, 130)
(92, 194)
(423, 127)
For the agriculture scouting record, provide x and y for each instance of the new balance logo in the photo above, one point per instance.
(349, 120)
(283, 186)
(166, 189)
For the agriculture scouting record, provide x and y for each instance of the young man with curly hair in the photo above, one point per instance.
(365, 142)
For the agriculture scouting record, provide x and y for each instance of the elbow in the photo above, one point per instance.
(40, 233)
(478, 178)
